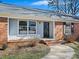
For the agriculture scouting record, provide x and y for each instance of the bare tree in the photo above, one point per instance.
(54, 4)
(66, 6)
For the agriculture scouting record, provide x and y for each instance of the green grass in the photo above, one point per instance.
(25, 56)
(75, 46)
(28, 53)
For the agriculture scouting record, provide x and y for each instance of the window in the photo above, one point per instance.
(68, 28)
(27, 27)
(72, 28)
(22, 27)
(32, 27)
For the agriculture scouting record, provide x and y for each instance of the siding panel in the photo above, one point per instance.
(12, 27)
(40, 29)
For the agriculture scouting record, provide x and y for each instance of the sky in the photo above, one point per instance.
(40, 4)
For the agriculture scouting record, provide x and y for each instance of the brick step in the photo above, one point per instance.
(53, 42)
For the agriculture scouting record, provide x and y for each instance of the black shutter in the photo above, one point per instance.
(72, 28)
(64, 23)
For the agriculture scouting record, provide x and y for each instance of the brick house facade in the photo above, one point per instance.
(15, 24)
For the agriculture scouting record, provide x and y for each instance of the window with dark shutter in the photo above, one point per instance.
(68, 28)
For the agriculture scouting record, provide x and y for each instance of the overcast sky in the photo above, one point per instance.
(41, 4)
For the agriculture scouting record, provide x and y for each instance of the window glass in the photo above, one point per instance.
(25, 27)
(32, 27)
(72, 28)
(67, 28)
(32, 23)
(23, 23)
(22, 27)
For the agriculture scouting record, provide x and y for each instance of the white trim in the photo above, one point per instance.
(52, 39)
(36, 28)
(43, 29)
(8, 28)
(27, 28)
(18, 27)
(49, 32)
(54, 30)
(64, 29)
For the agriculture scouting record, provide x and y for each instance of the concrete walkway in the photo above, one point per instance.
(60, 52)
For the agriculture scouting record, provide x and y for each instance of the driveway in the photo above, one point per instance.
(60, 52)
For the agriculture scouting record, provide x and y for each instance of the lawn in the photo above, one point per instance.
(36, 52)
(75, 46)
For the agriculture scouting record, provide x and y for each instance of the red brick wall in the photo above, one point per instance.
(59, 30)
(76, 29)
(3, 30)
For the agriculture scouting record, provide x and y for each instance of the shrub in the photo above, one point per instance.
(4, 46)
(36, 52)
(77, 39)
(70, 38)
(29, 43)
(42, 42)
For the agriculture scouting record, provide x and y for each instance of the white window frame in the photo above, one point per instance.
(54, 30)
(8, 28)
(27, 28)
(31, 26)
(65, 28)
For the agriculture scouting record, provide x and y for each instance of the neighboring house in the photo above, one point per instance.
(26, 23)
